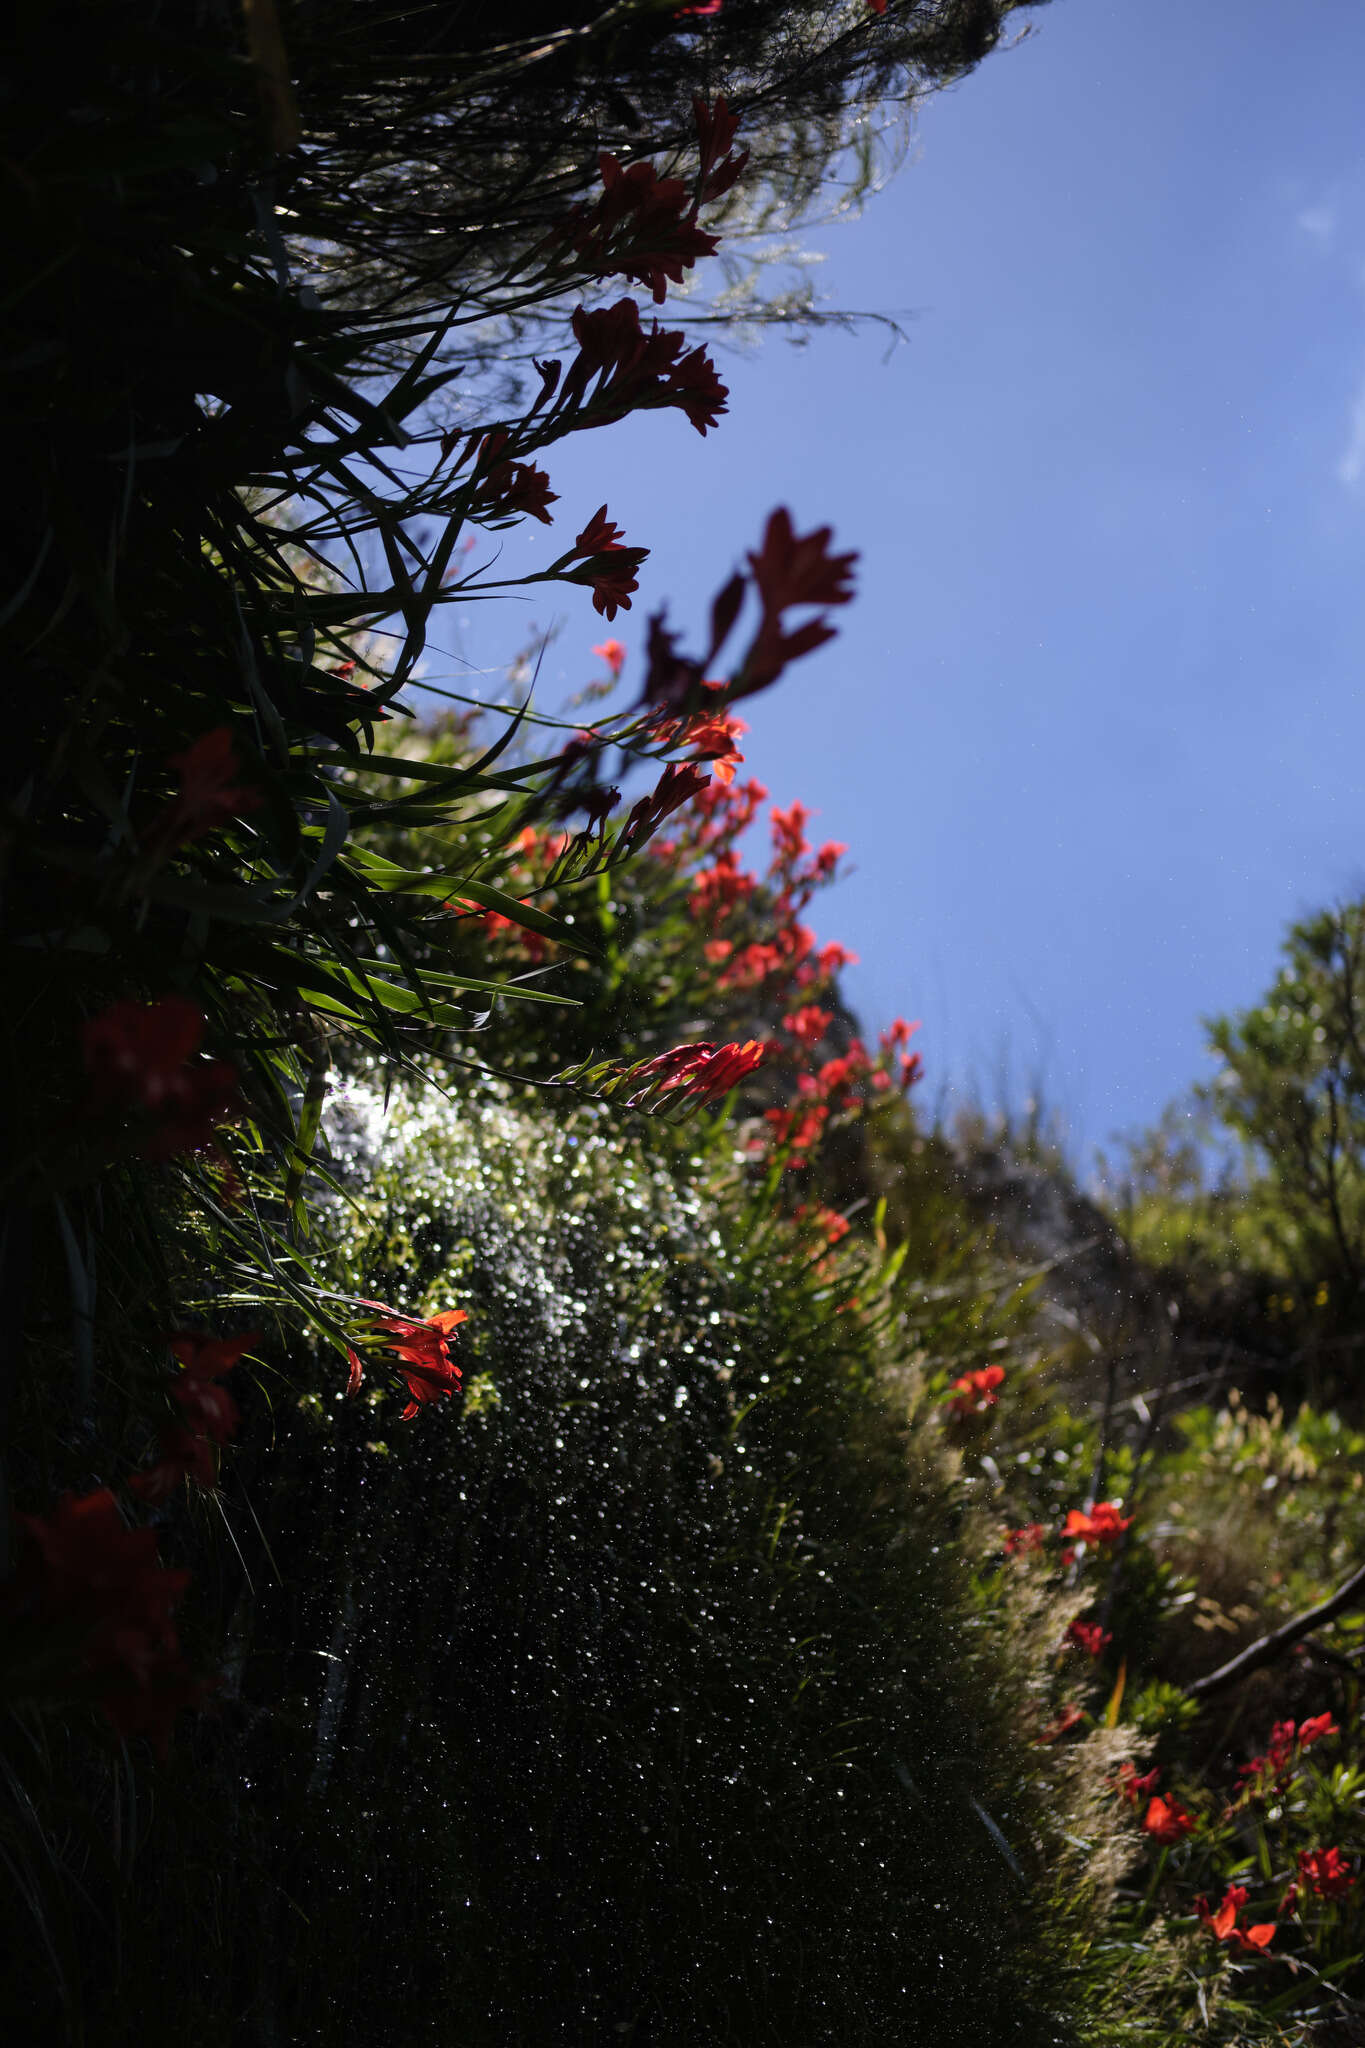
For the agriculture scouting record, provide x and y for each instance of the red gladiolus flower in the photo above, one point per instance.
(209, 1410)
(1135, 1789)
(210, 794)
(1252, 1941)
(1254, 1772)
(423, 1347)
(515, 490)
(697, 390)
(599, 535)
(716, 127)
(647, 227)
(1088, 1636)
(89, 1577)
(500, 490)
(1101, 1524)
(798, 1131)
(1070, 1717)
(1281, 1750)
(1167, 1822)
(614, 655)
(208, 1358)
(629, 369)
(975, 1392)
(1223, 1924)
(808, 1024)
(679, 783)
(1274, 1767)
(642, 227)
(1326, 1872)
(789, 832)
(1031, 1537)
(1315, 1728)
(609, 567)
(185, 1454)
(792, 569)
(714, 739)
(704, 1072)
(1222, 1921)
(143, 1057)
(830, 1224)
(716, 890)
(898, 1034)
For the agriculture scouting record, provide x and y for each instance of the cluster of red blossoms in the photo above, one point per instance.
(833, 1088)
(621, 367)
(613, 654)
(1326, 1872)
(144, 1060)
(499, 490)
(89, 1608)
(828, 1223)
(1287, 1743)
(1223, 1924)
(88, 1615)
(211, 792)
(1167, 1822)
(422, 1349)
(721, 888)
(1099, 1525)
(695, 1073)
(785, 962)
(643, 227)
(974, 1392)
(209, 1416)
(1133, 1789)
(1089, 1636)
(790, 571)
(607, 564)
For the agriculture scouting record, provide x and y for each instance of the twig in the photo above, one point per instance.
(1269, 1647)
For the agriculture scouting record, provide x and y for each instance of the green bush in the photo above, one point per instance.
(644, 1697)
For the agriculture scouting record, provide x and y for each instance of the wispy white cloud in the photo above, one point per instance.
(1319, 223)
(1351, 462)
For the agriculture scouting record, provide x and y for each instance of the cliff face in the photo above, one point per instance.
(1039, 1217)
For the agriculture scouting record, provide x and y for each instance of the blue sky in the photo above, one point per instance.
(1094, 727)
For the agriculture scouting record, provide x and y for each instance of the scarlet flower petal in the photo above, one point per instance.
(1326, 1872)
(210, 794)
(208, 1358)
(1167, 1822)
(1101, 1524)
(1088, 1636)
(88, 1574)
(1070, 1717)
(614, 655)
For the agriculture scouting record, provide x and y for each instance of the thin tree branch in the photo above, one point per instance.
(1269, 1647)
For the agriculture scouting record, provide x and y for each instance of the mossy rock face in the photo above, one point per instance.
(637, 1700)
